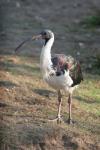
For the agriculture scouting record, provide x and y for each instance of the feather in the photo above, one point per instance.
(62, 63)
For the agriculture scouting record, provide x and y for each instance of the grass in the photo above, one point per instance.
(89, 24)
(29, 103)
(97, 61)
(92, 21)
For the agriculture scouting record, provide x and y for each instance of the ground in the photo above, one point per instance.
(26, 101)
(27, 104)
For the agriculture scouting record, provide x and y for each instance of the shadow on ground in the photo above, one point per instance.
(44, 137)
(21, 69)
(86, 100)
(2, 104)
(46, 93)
(7, 84)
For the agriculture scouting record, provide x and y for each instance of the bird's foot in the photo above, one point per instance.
(58, 120)
(70, 121)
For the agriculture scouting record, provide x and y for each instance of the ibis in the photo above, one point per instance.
(61, 72)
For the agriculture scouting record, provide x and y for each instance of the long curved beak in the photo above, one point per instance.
(37, 37)
(27, 40)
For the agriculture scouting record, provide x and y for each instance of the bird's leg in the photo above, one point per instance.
(58, 118)
(69, 105)
(59, 106)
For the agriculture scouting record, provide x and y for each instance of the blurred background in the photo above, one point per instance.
(75, 23)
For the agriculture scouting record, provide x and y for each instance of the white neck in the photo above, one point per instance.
(45, 58)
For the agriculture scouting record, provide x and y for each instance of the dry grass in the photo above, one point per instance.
(26, 104)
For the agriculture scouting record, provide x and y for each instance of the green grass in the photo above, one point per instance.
(97, 64)
(90, 94)
(88, 24)
(91, 21)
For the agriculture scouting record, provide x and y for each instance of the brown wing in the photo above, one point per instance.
(62, 62)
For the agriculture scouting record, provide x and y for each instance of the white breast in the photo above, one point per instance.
(59, 82)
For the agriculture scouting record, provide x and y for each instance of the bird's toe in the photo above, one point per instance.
(57, 120)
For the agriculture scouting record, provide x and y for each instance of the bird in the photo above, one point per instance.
(61, 72)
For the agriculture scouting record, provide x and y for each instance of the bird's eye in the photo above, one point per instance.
(43, 33)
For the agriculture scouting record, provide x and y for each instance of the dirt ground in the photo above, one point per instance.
(26, 102)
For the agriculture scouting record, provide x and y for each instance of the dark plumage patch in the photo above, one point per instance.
(46, 40)
(58, 66)
(77, 76)
(62, 63)
(59, 73)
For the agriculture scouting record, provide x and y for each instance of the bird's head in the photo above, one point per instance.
(45, 35)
